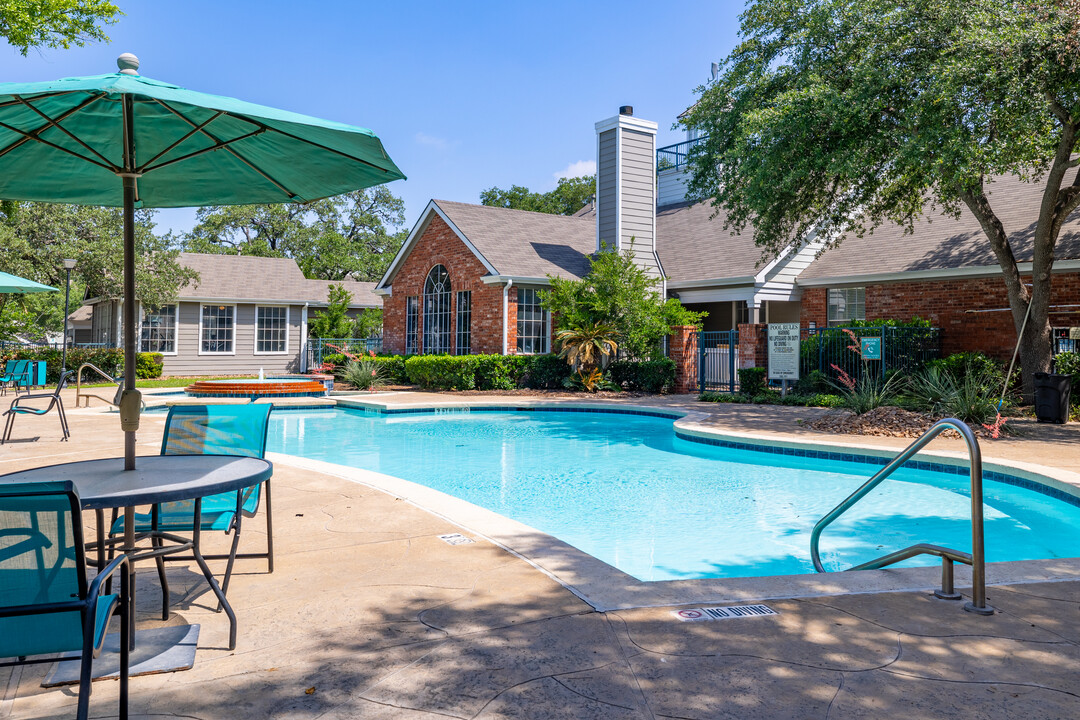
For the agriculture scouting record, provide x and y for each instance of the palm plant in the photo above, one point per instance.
(585, 346)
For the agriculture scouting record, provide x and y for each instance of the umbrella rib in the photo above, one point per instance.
(327, 148)
(28, 136)
(50, 122)
(197, 128)
(220, 145)
(224, 145)
(18, 98)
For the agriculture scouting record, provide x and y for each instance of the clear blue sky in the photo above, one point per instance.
(463, 95)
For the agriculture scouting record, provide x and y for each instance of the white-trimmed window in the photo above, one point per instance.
(464, 323)
(846, 304)
(411, 316)
(533, 323)
(271, 329)
(157, 334)
(217, 330)
(437, 337)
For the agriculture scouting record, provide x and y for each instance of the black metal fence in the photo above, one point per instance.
(317, 348)
(856, 350)
(718, 358)
(1063, 342)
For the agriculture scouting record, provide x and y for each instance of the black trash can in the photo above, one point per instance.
(1052, 397)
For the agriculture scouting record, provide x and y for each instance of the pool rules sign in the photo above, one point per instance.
(783, 351)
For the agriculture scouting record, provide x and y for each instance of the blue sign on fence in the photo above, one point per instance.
(871, 348)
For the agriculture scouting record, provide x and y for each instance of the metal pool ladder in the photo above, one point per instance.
(948, 556)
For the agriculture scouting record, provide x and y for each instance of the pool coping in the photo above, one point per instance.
(606, 588)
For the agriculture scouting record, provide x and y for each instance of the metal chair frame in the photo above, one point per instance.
(86, 604)
(54, 401)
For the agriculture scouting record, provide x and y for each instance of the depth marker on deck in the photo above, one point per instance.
(456, 539)
(723, 613)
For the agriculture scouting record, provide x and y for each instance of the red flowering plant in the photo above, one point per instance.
(363, 372)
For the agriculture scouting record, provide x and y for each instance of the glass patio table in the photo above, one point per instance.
(104, 484)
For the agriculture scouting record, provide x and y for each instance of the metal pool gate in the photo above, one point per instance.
(717, 357)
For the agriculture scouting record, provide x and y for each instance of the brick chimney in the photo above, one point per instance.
(626, 186)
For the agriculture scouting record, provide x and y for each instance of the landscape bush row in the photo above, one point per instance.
(498, 372)
(111, 360)
(967, 386)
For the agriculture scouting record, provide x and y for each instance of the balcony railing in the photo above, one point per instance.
(673, 157)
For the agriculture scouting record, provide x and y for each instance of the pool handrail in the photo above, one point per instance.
(79, 394)
(976, 559)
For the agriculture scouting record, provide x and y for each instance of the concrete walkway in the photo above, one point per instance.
(370, 615)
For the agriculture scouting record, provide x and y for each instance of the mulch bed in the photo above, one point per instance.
(886, 421)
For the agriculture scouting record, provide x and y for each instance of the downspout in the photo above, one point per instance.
(306, 342)
(506, 314)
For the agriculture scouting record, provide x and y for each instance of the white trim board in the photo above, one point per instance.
(962, 273)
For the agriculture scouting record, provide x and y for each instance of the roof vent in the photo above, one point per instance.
(626, 110)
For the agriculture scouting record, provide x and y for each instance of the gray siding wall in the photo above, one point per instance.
(606, 191)
(671, 186)
(243, 361)
(638, 181)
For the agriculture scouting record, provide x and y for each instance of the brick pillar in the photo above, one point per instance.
(752, 345)
(683, 349)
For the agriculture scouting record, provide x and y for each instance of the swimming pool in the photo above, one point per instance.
(625, 489)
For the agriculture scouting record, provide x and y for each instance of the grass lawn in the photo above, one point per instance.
(172, 381)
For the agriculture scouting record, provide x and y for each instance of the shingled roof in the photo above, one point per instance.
(525, 244)
(250, 278)
(943, 243)
(693, 245)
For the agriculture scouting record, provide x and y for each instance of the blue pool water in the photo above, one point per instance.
(625, 489)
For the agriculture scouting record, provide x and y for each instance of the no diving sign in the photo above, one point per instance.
(723, 613)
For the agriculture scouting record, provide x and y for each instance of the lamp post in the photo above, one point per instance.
(69, 265)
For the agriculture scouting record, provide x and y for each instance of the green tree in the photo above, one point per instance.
(368, 323)
(567, 198)
(619, 294)
(334, 322)
(842, 115)
(350, 235)
(54, 23)
(35, 238)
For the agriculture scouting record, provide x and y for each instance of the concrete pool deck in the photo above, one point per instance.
(377, 617)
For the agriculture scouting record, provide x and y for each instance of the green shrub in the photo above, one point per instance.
(813, 383)
(547, 372)
(393, 368)
(110, 360)
(722, 397)
(148, 366)
(958, 365)
(500, 372)
(651, 376)
(827, 400)
(335, 359)
(766, 397)
(868, 391)
(442, 372)
(1068, 363)
(752, 381)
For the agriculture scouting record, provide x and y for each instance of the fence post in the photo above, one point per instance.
(733, 349)
(701, 361)
(883, 354)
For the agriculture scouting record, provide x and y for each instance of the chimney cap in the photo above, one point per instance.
(626, 110)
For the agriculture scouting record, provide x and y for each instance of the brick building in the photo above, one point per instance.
(467, 278)
(944, 271)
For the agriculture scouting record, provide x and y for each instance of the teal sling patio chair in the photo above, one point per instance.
(17, 408)
(16, 375)
(212, 430)
(46, 605)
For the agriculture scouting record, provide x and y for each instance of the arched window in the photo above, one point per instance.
(437, 337)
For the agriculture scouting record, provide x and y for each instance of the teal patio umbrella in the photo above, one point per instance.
(124, 140)
(14, 284)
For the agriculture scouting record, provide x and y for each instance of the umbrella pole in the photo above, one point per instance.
(130, 425)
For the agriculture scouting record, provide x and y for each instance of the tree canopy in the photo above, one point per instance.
(35, 238)
(349, 235)
(54, 23)
(619, 294)
(842, 115)
(567, 198)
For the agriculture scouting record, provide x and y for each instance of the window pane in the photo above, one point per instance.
(411, 315)
(271, 329)
(846, 304)
(437, 338)
(464, 323)
(158, 332)
(532, 325)
(217, 328)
